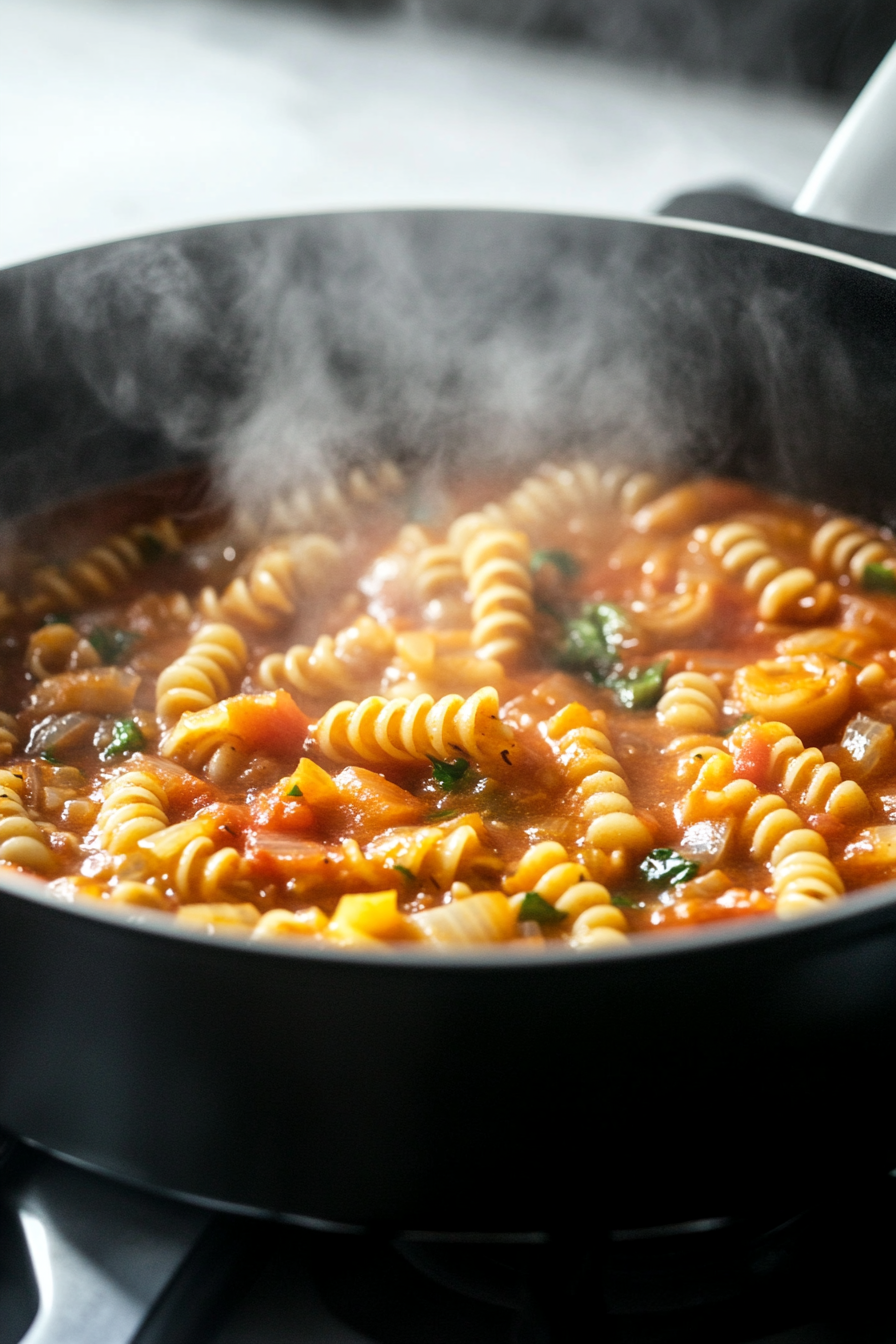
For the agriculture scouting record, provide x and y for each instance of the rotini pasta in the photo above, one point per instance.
(418, 731)
(209, 670)
(390, 732)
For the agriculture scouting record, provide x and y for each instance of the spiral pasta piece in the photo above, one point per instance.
(803, 876)
(437, 570)
(399, 732)
(496, 565)
(335, 663)
(21, 840)
(277, 579)
(9, 736)
(676, 615)
(209, 670)
(135, 807)
(805, 778)
(103, 569)
(588, 762)
(842, 546)
(691, 702)
(568, 886)
(58, 648)
(782, 594)
(334, 506)
(555, 493)
(197, 868)
(441, 854)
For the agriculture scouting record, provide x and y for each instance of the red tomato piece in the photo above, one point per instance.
(271, 723)
(278, 811)
(751, 759)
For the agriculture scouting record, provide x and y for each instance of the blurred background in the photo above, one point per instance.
(122, 117)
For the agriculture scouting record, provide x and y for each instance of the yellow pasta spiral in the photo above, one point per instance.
(195, 867)
(58, 648)
(209, 670)
(336, 662)
(135, 807)
(669, 616)
(9, 735)
(715, 794)
(496, 563)
(335, 505)
(279, 576)
(805, 778)
(568, 886)
(436, 570)
(691, 702)
(841, 546)
(782, 594)
(588, 762)
(803, 875)
(555, 493)
(442, 854)
(103, 569)
(21, 840)
(389, 732)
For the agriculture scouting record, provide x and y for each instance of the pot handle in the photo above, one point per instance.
(854, 181)
(99, 1255)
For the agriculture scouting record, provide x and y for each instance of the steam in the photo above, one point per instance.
(454, 343)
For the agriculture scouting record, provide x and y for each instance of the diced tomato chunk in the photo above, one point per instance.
(271, 723)
(377, 801)
(751, 758)
(279, 811)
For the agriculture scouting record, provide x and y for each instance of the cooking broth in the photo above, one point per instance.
(586, 709)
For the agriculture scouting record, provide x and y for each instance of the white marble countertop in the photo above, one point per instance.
(122, 117)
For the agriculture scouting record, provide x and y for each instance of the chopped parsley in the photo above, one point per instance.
(126, 737)
(49, 757)
(448, 774)
(440, 816)
(879, 579)
(639, 687)
(562, 561)
(294, 792)
(405, 872)
(149, 547)
(743, 718)
(535, 907)
(668, 868)
(111, 643)
(593, 639)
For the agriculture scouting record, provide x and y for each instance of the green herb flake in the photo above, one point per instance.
(639, 687)
(440, 816)
(149, 546)
(668, 868)
(624, 902)
(294, 792)
(743, 718)
(535, 907)
(593, 640)
(448, 774)
(126, 737)
(112, 644)
(879, 579)
(405, 872)
(49, 757)
(562, 561)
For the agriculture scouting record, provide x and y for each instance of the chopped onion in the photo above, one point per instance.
(876, 845)
(869, 744)
(58, 733)
(707, 841)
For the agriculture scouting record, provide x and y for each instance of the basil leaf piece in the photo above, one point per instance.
(593, 639)
(294, 792)
(111, 643)
(879, 579)
(563, 561)
(448, 774)
(536, 907)
(405, 872)
(639, 687)
(668, 867)
(126, 737)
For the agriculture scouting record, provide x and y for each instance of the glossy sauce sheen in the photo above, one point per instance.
(648, 708)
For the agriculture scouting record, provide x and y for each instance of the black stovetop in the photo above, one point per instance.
(84, 1260)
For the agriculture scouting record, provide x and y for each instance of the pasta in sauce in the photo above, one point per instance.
(589, 709)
